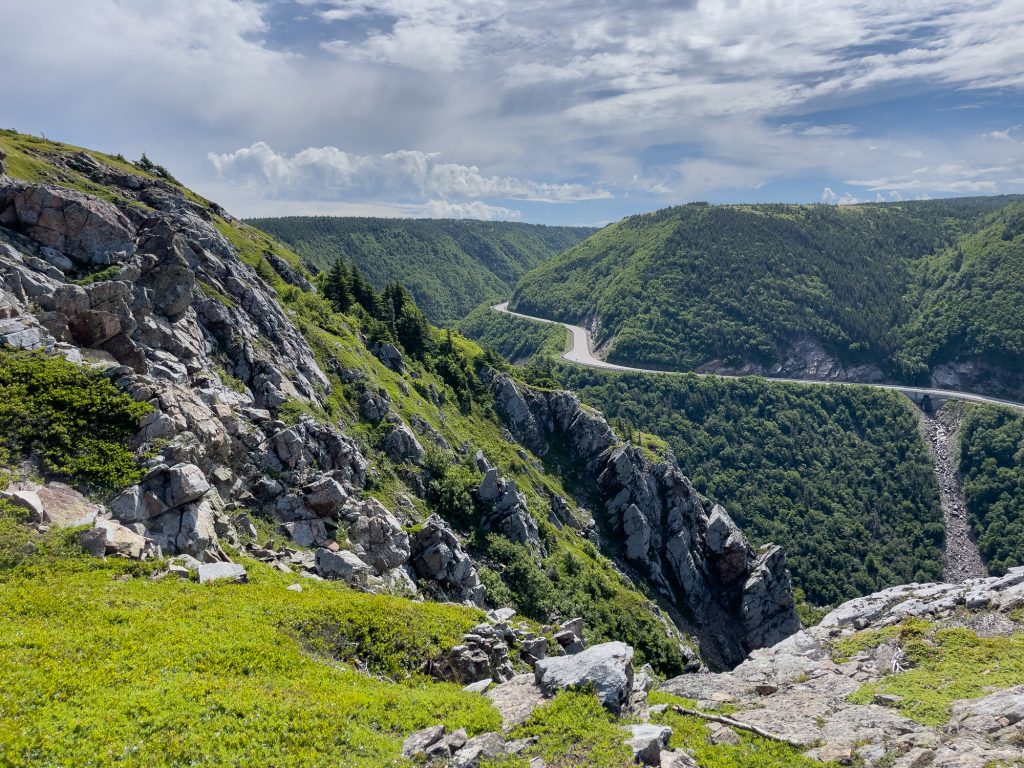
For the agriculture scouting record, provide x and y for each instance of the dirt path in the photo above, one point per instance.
(962, 560)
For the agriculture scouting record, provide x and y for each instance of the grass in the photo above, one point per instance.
(101, 665)
(947, 664)
(691, 734)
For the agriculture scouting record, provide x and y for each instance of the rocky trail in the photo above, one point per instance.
(962, 560)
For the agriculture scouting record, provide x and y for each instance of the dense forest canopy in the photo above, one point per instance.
(448, 265)
(903, 286)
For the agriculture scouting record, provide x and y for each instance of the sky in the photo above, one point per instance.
(558, 112)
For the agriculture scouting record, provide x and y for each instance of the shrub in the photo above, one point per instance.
(75, 421)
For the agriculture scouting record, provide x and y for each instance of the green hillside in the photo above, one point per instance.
(450, 266)
(838, 475)
(738, 284)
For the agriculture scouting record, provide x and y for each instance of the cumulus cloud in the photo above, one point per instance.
(668, 100)
(325, 173)
(443, 209)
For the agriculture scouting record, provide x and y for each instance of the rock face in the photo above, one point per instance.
(796, 690)
(739, 599)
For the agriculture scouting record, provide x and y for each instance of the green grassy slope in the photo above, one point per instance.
(689, 285)
(450, 266)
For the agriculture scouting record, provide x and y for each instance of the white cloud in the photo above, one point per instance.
(828, 196)
(443, 209)
(325, 173)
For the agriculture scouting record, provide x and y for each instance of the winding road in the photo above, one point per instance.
(581, 352)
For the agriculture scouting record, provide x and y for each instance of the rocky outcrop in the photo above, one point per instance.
(796, 689)
(737, 599)
(438, 557)
(504, 508)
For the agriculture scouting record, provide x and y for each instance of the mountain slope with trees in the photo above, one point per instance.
(817, 291)
(448, 265)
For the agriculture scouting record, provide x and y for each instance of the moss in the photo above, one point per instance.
(107, 273)
(211, 292)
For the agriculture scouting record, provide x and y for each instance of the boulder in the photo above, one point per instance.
(185, 483)
(108, 537)
(209, 572)
(647, 741)
(343, 565)
(608, 667)
(486, 746)
(65, 507)
(374, 406)
(437, 555)
(727, 546)
(376, 535)
(417, 743)
(401, 445)
(324, 496)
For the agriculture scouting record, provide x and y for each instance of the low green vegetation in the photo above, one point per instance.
(70, 418)
(686, 286)
(839, 476)
(574, 729)
(692, 735)
(946, 664)
(449, 266)
(992, 466)
(101, 665)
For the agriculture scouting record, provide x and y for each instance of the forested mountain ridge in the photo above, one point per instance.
(806, 291)
(449, 265)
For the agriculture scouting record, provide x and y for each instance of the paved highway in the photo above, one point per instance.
(581, 351)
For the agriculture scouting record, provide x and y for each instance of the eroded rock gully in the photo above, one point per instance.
(961, 559)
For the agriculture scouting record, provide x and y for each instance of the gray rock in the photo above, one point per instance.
(647, 741)
(325, 496)
(374, 407)
(376, 535)
(89, 230)
(343, 565)
(637, 531)
(390, 356)
(401, 445)
(209, 572)
(486, 746)
(185, 483)
(608, 667)
(417, 743)
(437, 555)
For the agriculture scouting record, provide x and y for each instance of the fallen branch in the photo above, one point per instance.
(737, 724)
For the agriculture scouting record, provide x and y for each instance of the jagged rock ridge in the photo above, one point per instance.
(697, 559)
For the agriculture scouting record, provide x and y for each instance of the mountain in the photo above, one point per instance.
(914, 291)
(225, 498)
(450, 266)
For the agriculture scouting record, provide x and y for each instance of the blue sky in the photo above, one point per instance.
(555, 112)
